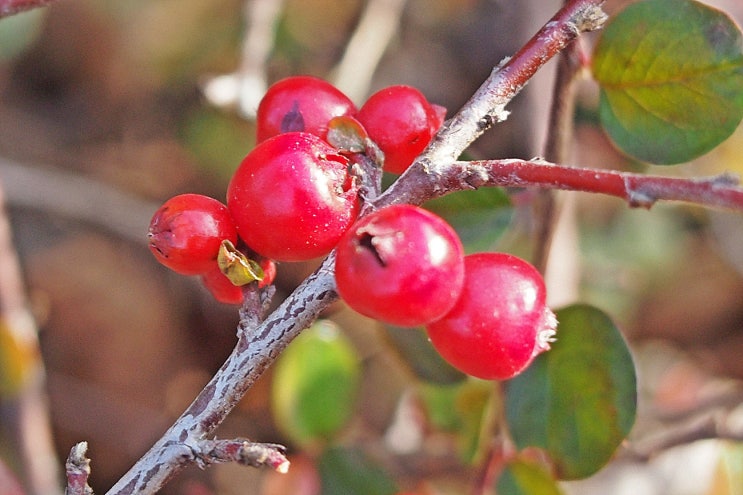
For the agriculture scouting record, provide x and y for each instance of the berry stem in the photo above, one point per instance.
(638, 190)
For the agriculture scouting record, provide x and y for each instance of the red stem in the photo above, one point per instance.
(638, 190)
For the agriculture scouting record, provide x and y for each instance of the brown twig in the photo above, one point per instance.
(78, 471)
(243, 452)
(557, 148)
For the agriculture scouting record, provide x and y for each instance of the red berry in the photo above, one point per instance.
(186, 231)
(500, 321)
(402, 265)
(225, 291)
(401, 122)
(221, 288)
(300, 103)
(292, 197)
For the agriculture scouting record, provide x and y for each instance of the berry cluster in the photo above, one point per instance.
(296, 196)
(485, 313)
(293, 195)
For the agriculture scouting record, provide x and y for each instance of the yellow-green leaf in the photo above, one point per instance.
(671, 77)
(315, 384)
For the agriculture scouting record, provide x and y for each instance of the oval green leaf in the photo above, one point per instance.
(578, 400)
(315, 383)
(671, 77)
(526, 478)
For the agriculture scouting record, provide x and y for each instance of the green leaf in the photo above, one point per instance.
(480, 217)
(578, 400)
(671, 77)
(464, 409)
(315, 383)
(526, 478)
(344, 471)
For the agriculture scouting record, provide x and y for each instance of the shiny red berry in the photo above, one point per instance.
(186, 231)
(300, 103)
(402, 265)
(500, 321)
(293, 197)
(401, 121)
(221, 288)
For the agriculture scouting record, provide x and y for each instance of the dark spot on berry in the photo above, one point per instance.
(366, 240)
(293, 121)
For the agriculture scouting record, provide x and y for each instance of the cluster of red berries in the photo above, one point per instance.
(485, 313)
(295, 197)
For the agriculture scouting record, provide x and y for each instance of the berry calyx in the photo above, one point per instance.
(300, 104)
(500, 321)
(401, 121)
(186, 231)
(293, 197)
(402, 265)
(226, 291)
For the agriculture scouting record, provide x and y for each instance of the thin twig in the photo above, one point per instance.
(638, 190)
(77, 197)
(78, 471)
(245, 87)
(243, 452)
(557, 149)
(376, 28)
(23, 380)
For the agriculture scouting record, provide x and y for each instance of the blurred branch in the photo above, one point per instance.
(721, 423)
(74, 196)
(22, 376)
(375, 30)
(245, 87)
(11, 7)
(557, 148)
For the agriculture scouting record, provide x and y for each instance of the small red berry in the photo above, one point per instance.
(221, 288)
(225, 291)
(300, 103)
(292, 197)
(500, 321)
(401, 122)
(402, 265)
(186, 231)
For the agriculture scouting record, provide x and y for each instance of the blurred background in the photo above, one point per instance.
(109, 108)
